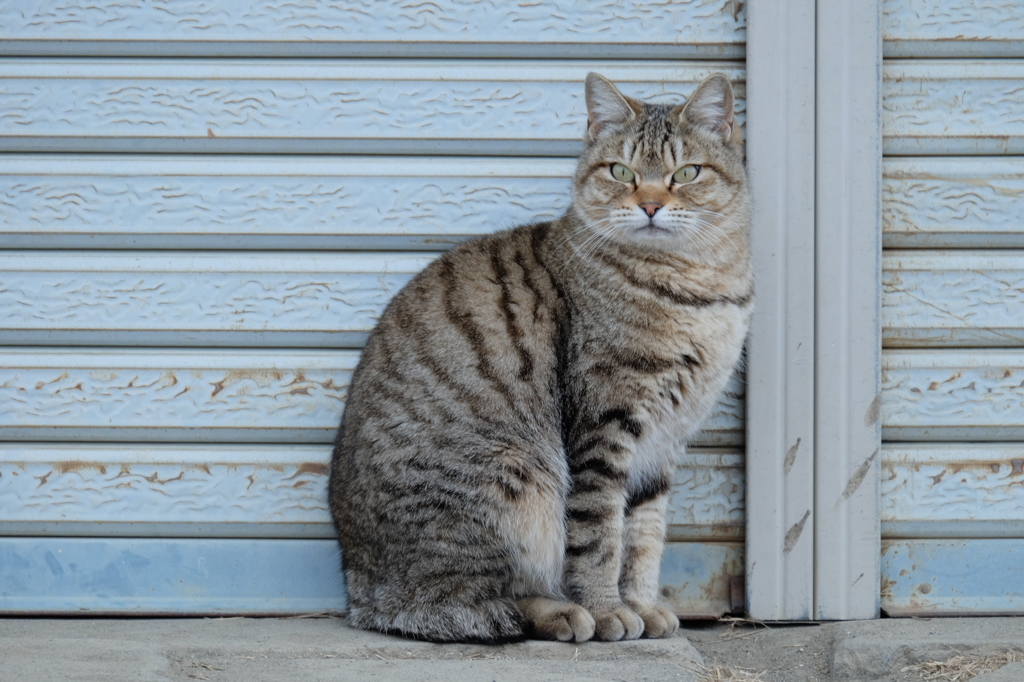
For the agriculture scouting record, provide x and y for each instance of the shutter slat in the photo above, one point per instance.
(206, 395)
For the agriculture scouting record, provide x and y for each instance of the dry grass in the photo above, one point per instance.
(734, 633)
(961, 668)
(717, 673)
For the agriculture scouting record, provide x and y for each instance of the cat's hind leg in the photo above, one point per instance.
(439, 602)
(430, 563)
(491, 621)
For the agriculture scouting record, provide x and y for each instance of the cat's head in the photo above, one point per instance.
(669, 178)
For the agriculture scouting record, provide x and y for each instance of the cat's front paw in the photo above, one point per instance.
(617, 623)
(557, 620)
(658, 621)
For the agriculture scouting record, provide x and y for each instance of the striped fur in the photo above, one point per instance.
(503, 465)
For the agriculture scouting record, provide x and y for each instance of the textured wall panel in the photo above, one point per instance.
(251, 577)
(171, 491)
(953, 107)
(271, 202)
(953, 28)
(953, 490)
(952, 577)
(208, 395)
(169, 576)
(953, 298)
(965, 396)
(318, 106)
(953, 202)
(258, 491)
(707, 499)
(702, 580)
(197, 299)
(374, 28)
(278, 396)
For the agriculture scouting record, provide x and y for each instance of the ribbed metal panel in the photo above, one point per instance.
(953, 28)
(952, 577)
(165, 576)
(375, 28)
(953, 299)
(961, 395)
(53, 201)
(531, 108)
(260, 491)
(953, 202)
(182, 324)
(180, 298)
(205, 395)
(947, 107)
(952, 380)
(952, 490)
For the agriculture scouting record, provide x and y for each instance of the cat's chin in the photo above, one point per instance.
(657, 238)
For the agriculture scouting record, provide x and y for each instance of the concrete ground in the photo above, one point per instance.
(278, 649)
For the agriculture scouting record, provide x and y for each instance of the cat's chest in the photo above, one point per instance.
(679, 400)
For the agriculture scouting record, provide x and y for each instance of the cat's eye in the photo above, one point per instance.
(621, 173)
(686, 174)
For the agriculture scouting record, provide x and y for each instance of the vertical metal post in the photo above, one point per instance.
(848, 345)
(780, 372)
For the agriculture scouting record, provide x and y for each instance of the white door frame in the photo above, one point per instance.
(813, 401)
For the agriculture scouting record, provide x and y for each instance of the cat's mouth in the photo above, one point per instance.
(652, 230)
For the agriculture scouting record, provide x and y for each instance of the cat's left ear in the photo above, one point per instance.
(710, 107)
(607, 108)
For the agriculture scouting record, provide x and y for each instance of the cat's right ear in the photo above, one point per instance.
(607, 108)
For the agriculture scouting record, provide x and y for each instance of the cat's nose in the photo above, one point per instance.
(650, 208)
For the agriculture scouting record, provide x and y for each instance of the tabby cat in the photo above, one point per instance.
(503, 466)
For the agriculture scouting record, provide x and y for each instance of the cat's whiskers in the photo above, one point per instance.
(583, 225)
(711, 235)
(704, 241)
(601, 233)
(587, 251)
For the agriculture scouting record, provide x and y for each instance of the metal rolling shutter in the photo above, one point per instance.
(953, 323)
(195, 245)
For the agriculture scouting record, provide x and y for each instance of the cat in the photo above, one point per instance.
(502, 468)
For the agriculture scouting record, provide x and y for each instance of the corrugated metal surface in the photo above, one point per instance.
(953, 395)
(208, 395)
(563, 28)
(952, 490)
(531, 107)
(140, 576)
(955, 202)
(953, 577)
(945, 298)
(198, 299)
(166, 404)
(946, 107)
(953, 371)
(271, 202)
(953, 28)
(259, 491)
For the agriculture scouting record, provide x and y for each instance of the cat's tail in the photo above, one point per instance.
(494, 621)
